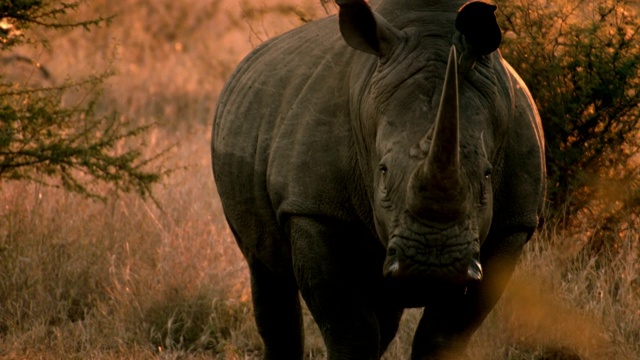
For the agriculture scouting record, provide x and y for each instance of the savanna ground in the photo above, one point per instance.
(126, 279)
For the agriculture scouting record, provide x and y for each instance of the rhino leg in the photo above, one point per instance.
(277, 312)
(389, 320)
(447, 325)
(336, 270)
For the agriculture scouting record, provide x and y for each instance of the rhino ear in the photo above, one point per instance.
(364, 30)
(477, 22)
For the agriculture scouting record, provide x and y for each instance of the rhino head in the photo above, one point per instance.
(431, 163)
(443, 216)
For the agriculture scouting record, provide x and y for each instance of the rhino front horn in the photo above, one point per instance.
(436, 186)
(444, 154)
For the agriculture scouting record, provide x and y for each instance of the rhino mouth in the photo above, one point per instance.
(423, 258)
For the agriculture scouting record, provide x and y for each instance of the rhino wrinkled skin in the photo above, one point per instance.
(382, 159)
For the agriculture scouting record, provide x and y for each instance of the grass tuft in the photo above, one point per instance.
(192, 323)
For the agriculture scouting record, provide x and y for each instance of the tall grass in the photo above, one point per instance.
(125, 279)
(562, 303)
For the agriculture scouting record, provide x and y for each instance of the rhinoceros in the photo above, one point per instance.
(381, 159)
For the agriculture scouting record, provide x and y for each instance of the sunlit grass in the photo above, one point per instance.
(122, 273)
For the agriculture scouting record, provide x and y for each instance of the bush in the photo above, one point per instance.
(581, 61)
(54, 134)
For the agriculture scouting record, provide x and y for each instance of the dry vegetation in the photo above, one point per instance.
(125, 279)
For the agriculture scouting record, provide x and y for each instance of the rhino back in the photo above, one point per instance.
(282, 141)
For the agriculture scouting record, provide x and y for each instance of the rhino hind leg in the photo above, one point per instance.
(276, 305)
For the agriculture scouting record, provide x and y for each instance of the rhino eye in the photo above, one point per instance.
(383, 180)
(484, 189)
(383, 186)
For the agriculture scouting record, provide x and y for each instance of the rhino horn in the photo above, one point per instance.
(436, 187)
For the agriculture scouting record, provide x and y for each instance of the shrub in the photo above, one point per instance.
(54, 134)
(581, 61)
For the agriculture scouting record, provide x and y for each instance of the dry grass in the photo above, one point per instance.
(125, 280)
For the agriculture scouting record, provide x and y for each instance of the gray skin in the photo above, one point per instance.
(365, 165)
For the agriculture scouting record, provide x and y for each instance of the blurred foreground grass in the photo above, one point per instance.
(125, 279)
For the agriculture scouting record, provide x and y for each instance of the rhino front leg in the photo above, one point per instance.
(277, 311)
(337, 276)
(447, 325)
